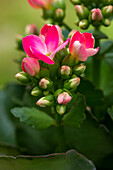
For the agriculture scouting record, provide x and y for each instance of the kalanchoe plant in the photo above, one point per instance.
(56, 96)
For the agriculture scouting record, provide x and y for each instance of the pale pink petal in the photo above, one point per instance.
(59, 48)
(45, 29)
(40, 56)
(33, 41)
(91, 51)
(89, 40)
(59, 32)
(52, 39)
(37, 3)
(79, 51)
(77, 37)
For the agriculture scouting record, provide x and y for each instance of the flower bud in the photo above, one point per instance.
(72, 84)
(30, 66)
(23, 77)
(84, 24)
(106, 22)
(96, 14)
(65, 72)
(81, 11)
(31, 29)
(64, 98)
(79, 69)
(18, 38)
(60, 109)
(46, 101)
(59, 15)
(45, 84)
(75, 2)
(36, 91)
(107, 11)
(69, 60)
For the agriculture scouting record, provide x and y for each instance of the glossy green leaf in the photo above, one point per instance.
(76, 115)
(33, 117)
(72, 160)
(109, 58)
(110, 112)
(106, 46)
(92, 140)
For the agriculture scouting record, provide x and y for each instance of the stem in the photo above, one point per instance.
(60, 134)
(66, 26)
(96, 65)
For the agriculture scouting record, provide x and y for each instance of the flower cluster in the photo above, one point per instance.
(52, 67)
(52, 9)
(90, 14)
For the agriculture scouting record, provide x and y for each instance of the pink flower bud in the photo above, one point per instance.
(40, 3)
(31, 29)
(30, 66)
(44, 83)
(96, 14)
(64, 98)
(81, 11)
(46, 101)
(107, 11)
(65, 70)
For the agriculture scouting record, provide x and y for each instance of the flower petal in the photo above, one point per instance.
(37, 3)
(52, 39)
(79, 51)
(77, 37)
(91, 51)
(33, 41)
(89, 40)
(59, 48)
(44, 30)
(40, 56)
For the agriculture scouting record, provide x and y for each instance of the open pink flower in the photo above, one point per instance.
(45, 30)
(81, 46)
(30, 66)
(40, 3)
(36, 48)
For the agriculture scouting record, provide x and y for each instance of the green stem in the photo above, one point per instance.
(96, 65)
(66, 26)
(60, 134)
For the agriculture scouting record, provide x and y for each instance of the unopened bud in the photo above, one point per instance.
(69, 60)
(36, 91)
(79, 69)
(106, 22)
(96, 14)
(31, 29)
(107, 11)
(84, 24)
(75, 2)
(45, 84)
(64, 98)
(30, 66)
(59, 15)
(46, 101)
(23, 77)
(60, 109)
(72, 84)
(65, 72)
(81, 11)
(18, 38)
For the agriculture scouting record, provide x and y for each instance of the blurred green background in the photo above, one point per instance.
(14, 16)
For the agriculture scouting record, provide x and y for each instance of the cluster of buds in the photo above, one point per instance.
(90, 14)
(53, 10)
(51, 69)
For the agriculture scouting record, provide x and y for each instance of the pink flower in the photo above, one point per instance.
(40, 3)
(36, 48)
(30, 66)
(81, 46)
(45, 30)
(64, 98)
(96, 14)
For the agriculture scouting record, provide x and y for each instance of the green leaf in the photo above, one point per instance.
(33, 117)
(8, 150)
(105, 47)
(69, 161)
(109, 58)
(76, 116)
(92, 140)
(98, 34)
(110, 112)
